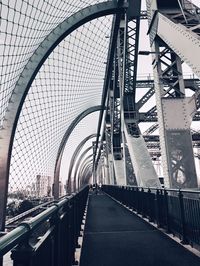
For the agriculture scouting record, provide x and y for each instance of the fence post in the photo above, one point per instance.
(182, 214)
(70, 229)
(23, 254)
(132, 198)
(157, 207)
(55, 220)
(149, 206)
(143, 203)
(137, 200)
(167, 211)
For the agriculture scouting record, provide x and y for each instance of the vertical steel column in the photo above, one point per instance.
(173, 116)
(122, 62)
(106, 167)
(116, 126)
(127, 56)
(110, 156)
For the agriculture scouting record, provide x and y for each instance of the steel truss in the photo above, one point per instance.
(122, 112)
(172, 105)
(168, 65)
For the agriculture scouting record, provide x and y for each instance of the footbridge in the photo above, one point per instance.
(99, 132)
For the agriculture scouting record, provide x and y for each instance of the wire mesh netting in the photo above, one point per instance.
(69, 82)
(24, 25)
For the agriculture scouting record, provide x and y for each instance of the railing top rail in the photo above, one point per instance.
(8, 241)
(12, 238)
(28, 212)
(194, 191)
(32, 210)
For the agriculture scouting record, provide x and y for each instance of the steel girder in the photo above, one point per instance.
(181, 32)
(109, 65)
(122, 92)
(153, 116)
(155, 138)
(190, 83)
(130, 75)
(127, 56)
(172, 105)
(115, 113)
(126, 66)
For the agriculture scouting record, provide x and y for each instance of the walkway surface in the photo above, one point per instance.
(116, 237)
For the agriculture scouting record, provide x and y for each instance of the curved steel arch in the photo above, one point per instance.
(81, 166)
(64, 141)
(85, 174)
(76, 181)
(26, 78)
(75, 154)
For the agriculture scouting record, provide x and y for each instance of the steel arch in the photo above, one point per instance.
(79, 170)
(87, 169)
(74, 156)
(76, 180)
(64, 141)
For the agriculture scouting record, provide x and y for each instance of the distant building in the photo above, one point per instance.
(61, 189)
(44, 185)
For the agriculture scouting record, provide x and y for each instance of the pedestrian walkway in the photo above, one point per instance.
(116, 237)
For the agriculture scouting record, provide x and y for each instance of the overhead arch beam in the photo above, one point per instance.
(74, 157)
(27, 76)
(78, 163)
(81, 166)
(85, 174)
(65, 138)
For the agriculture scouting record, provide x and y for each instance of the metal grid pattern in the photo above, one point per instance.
(24, 25)
(69, 82)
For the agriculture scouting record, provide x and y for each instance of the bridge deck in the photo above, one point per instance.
(116, 237)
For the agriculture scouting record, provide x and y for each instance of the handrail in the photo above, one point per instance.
(27, 227)
(14, 237)
(28, 212)
(195, 191)
(169, 208)
(8, 241)
(32, 210)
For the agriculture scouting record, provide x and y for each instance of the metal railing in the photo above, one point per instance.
(177, 211)
(51, 237)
